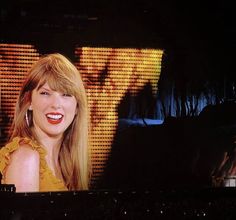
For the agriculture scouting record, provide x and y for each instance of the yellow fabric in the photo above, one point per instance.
(47, 182)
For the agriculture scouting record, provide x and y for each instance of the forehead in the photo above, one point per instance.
(58, 85)
(44, 86)
(57, 81)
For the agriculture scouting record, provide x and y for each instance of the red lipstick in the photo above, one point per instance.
(54, 117)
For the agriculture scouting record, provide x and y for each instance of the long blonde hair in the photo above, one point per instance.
(63, 76)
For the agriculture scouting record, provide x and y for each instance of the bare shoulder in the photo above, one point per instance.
(25, 153)
(23, 169)
(23, 158)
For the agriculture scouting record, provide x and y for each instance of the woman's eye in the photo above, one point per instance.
(66, 95)
(44, 93)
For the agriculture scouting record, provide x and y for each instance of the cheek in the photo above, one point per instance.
(74, 106)
(37, 102)
(38, 106)
(71, 108)
(74, 110)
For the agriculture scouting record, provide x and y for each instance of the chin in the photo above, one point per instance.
(55, 133)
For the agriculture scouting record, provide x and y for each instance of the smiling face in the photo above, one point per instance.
(53, 111)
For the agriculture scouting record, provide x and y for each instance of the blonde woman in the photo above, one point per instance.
(48, 148)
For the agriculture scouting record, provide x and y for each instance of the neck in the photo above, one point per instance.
(50, 143)
(52, 146)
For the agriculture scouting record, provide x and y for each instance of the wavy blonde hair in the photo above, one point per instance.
(63, 76)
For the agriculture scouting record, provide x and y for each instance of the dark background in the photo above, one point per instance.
(198, 37)
(199, 42)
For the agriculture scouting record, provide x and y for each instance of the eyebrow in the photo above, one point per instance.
(44, 88)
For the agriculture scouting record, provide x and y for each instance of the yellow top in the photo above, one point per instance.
(47, 181)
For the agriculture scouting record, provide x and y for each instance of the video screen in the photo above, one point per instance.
(121, 85)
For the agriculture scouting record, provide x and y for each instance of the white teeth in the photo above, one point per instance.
(55, 117)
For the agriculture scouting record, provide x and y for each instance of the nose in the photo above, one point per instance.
(56, 101)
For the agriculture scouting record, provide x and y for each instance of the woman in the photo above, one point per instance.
(48, 148)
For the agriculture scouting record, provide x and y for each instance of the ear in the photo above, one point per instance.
(30, 108)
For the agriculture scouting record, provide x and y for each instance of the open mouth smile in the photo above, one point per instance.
(54, 118)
